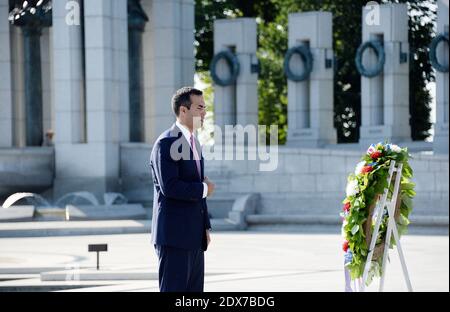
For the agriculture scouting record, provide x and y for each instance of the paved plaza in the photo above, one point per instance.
(236, 261)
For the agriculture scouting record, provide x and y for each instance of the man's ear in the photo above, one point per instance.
(184, 109)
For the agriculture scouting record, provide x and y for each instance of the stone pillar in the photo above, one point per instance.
(168, 44)
(48, 120)
(236, 104)
(33, 86)
(120, 68)
(68, 94)
(385, 98)
(440, 144)
(106, 27)
(187, 15)
(32, 19)
(136, 23)
(94, 166)
(310, 102)
(18, 88)
(6, 107)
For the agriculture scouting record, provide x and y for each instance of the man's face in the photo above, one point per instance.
(196, 115)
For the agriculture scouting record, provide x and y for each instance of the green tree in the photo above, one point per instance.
(272, 40)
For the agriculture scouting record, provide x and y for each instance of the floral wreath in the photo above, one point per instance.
(363, 190)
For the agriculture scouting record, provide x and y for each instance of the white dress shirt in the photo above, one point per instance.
(187, 134)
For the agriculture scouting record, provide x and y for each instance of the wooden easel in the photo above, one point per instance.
(391, 229)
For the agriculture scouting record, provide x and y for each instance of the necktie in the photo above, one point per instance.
(196, 157)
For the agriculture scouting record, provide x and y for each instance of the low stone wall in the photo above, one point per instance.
(135, 176)
(306, 181)
(26, 170)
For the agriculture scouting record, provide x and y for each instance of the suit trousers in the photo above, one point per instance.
(180, 270)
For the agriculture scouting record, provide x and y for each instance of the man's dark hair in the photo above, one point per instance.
(183, 98)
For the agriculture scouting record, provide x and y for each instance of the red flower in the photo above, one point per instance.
(366, 169)
(347, 207)
(345, 246)
(375, 155)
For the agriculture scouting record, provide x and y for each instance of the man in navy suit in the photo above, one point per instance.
(180, 224)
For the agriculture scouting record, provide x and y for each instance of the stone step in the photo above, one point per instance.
(292, 219)
(114, 212)
(75, 228)
(223, 225)
(219, 207)
(17, 214)
(267, 219)
(50, 214)
(317, 206)
(107, 275)
(29, 271)
(100, 275)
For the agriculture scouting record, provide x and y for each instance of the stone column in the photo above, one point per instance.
(33, 86)
(107, 86)
(440, 144)
(236, 104)
(6, 107)
(120, 68)
(48, 120)
(385, 98)
(94, 166)
(32, 19)
(136, 23)
(68, 94)
(310, 102)
(187, 15)
(18, 89)
(168, 44)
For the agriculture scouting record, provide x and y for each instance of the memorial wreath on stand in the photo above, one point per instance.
(364, 189)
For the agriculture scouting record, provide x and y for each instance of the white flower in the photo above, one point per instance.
(359, 167)
(396, 148)
(352, 188)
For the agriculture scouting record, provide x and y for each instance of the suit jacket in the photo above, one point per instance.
(180, 214)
